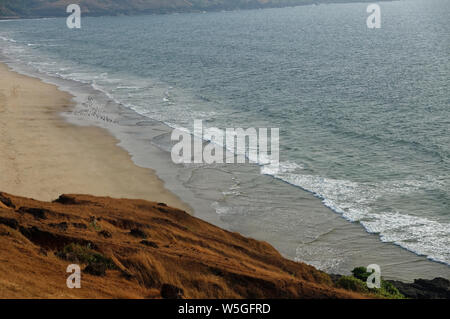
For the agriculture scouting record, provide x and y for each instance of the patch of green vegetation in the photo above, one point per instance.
(388, 290)
(353, 284)
(84, 255)
(361, 273)
(358, 283)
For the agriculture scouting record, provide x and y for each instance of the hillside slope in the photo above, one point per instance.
(139, 249)
(55, 8)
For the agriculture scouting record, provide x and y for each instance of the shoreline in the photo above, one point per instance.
(99, 167)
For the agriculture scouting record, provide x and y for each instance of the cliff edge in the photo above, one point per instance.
(138, 249)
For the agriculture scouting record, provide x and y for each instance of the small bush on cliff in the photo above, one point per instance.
(361, 273)
(352, 283)
(84, 255)
(387, 290)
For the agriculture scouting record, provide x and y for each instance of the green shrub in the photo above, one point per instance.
(387, 290)
(352, 283)
(84, 255)
(361, 273)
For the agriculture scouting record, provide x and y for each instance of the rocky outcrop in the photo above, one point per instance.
(437, 288)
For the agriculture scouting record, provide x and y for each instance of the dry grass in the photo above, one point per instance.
(150, 245)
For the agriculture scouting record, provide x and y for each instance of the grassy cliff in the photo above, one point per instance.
(138, 249)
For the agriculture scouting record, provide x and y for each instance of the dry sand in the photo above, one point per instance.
(42, 156)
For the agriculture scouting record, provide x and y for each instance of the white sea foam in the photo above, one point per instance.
(354, 200)
(7, 39)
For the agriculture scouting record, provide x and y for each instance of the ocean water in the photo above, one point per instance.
(364, 116)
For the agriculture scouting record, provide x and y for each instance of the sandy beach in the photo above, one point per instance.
(42, 156)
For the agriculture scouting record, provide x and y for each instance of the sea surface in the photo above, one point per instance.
(364, 118)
